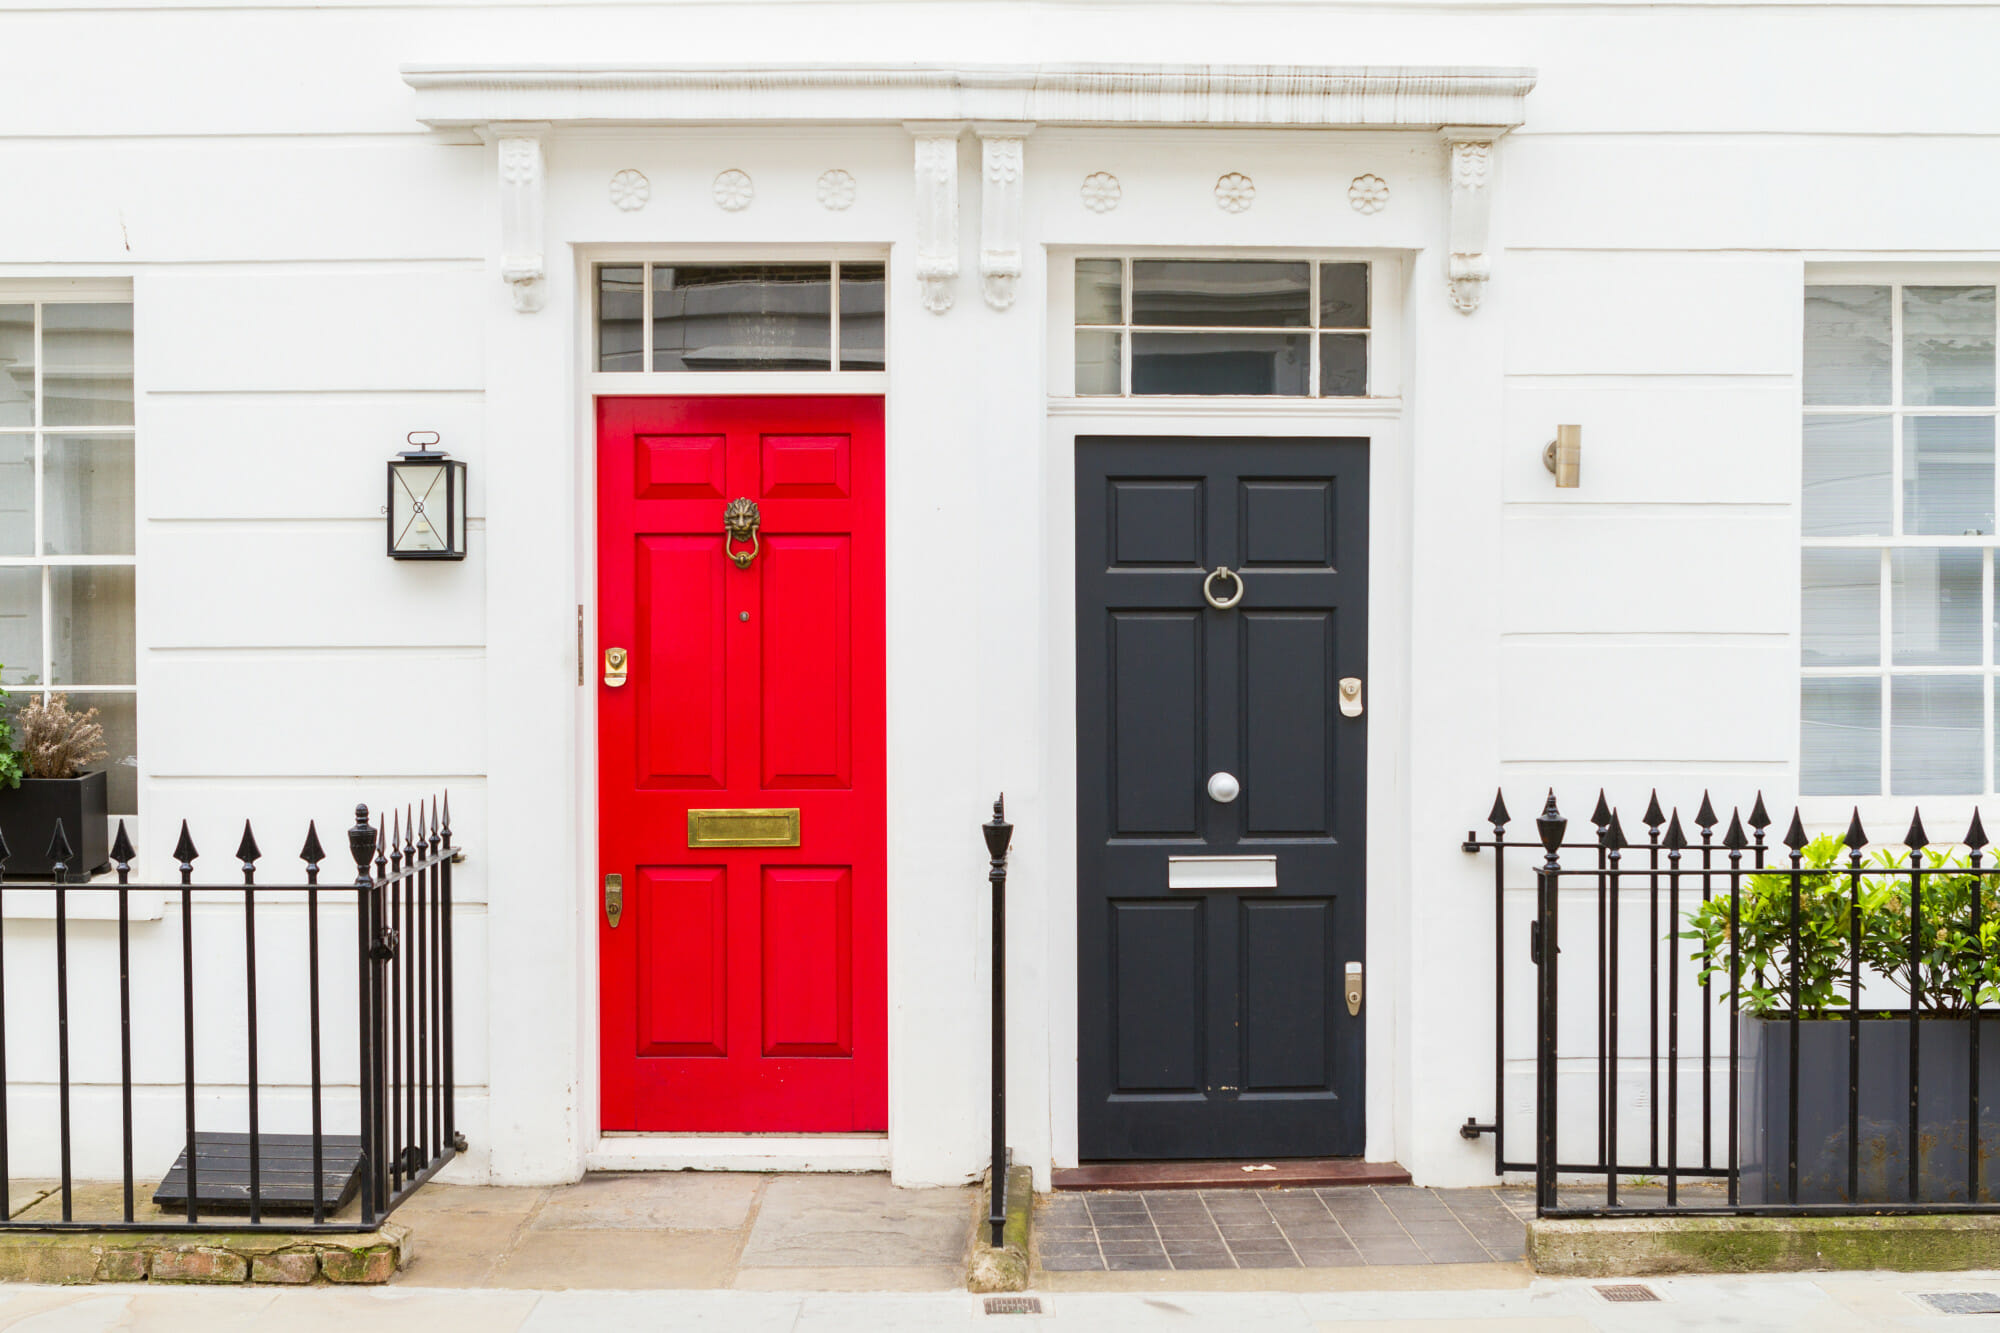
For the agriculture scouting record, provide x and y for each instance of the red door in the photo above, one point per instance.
(743, 985)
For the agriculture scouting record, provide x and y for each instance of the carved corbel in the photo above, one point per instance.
(937, 211)
(1001, 187)
(522, 174)
(1470, 171)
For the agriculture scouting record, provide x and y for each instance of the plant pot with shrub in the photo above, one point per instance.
(45, 779)
(1956, 982)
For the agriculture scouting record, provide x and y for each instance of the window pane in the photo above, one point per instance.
(1247, 363)
(862, 291)
(87, 495)
(118, 714)
(20, 626)
(90, 622)
(1934, 607)
(621, 312)
(1948, 476)
(743, 317)
(1840, 737)
(1343, 365)
(1097, 361)
(1842, 608)
(1847, 476)
(1936, 727)
(17, 365)
(17, 495)
(1100, 291)
(1209, 293)
(1847, 345)
(87, 364)
(1948, 346)
(1343, 296)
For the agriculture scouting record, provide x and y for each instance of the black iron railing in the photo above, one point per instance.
(311, 1146)
(1795, 1029)
(998, 833)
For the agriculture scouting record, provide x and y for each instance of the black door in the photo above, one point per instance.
(1215, 934)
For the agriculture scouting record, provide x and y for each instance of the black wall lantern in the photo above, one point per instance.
(426, 502)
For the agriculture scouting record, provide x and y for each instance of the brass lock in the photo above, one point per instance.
(614, 667)
(614, 899)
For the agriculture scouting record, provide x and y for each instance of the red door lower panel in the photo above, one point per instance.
(744, 987)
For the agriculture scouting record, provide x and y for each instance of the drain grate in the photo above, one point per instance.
(1961, 1302)
(1624, 1292)
(1013, 1305)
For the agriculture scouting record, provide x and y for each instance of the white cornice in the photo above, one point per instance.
(461, 97)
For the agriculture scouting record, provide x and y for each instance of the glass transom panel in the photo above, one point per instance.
(680, 318)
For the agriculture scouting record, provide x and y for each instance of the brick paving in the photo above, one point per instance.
(1346, 1226)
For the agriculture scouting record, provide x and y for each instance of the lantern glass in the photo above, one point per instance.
(426, 507)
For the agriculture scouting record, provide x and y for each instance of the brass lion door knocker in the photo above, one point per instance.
(739, 524)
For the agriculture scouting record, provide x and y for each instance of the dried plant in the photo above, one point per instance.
(54, 742)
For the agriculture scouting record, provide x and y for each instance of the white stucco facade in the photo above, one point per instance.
(323, 251)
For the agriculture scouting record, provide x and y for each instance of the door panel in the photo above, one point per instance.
(1212, 1021)
(744, 987)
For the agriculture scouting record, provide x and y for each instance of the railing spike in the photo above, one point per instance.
(1601, 816)
(1795, 836)
(1758, 818)
(1497, 816)
(312, 853)
(60, 852)
(1705, 817)
(121, 847)
(1975, 836)
(1676, 839)
(1916, 838)
(1856, 837)
(1614, 837)
(184, 851)
(1734, 839)
(246, 850)
(1653, 817)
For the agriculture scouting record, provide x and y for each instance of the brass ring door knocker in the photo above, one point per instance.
(1208, 588)
(739, 524)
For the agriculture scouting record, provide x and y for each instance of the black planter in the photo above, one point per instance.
(28, 816)
(1944, 1051)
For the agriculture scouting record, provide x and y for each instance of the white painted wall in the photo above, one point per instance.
(315, 275)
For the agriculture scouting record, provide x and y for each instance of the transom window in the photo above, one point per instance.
(739, 317)
(66, 517)
(1264, 327)
(1898, 519)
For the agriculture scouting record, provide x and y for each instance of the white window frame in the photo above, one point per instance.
(41, 295)
(1885, 799)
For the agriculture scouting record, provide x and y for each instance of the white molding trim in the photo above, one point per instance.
(523, 178)
(1002, 188)
(937, 210)
(739, 1152)
(1469, 170)
(465, 96)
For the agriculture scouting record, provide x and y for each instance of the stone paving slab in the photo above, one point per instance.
(1267, 1229)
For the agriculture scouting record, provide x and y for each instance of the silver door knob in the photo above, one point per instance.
(1224, 788)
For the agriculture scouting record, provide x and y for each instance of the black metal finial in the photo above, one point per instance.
(122, 853)
(1795, 836)
(1550, 824)
(1975, 836)
(247, 852)
(997, 831)
(1916, 838)
(1676, 838)
(1759, 820)
(184, 854)
(1497, 816)
(1734, 839)
(1614, 837)
(1705, 817)
(1856, 837)
(60, 852)
(361, 841)
(1653, 817)
(1601, 816)
(312, 853)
